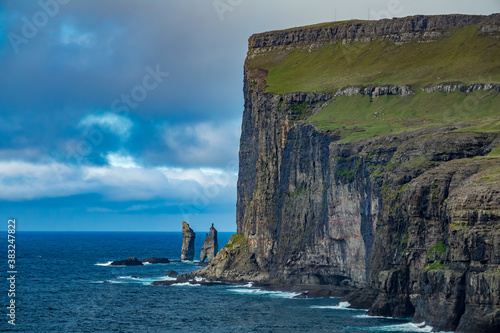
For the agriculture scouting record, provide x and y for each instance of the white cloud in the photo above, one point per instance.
(121, 161)
(27, 181)
(204, 143)
(118, 125)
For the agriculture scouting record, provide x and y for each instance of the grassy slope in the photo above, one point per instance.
(463, 56)
(361, 117)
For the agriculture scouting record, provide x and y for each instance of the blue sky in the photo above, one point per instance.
(126, 115)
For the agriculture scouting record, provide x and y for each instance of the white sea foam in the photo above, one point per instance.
(186, 284)
(407, 327)
(281, 294)
(248, 285)
(199, 279)
(340, 306)
(365, 316)
(106, 264)
(146, 281)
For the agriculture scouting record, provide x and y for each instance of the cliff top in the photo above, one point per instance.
(418, 51)
(362, 28)
(371, 78)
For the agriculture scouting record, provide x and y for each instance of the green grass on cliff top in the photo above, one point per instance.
(236, 239)
(362, 117)
(463, 56)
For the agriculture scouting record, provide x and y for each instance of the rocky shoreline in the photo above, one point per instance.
(408, 222)
(346, 293)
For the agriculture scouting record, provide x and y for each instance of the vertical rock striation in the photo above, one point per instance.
(413, 216)
(188, 237)
(210, 246)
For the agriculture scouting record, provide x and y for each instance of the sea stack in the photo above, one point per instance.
(188, 236)
(211, 246)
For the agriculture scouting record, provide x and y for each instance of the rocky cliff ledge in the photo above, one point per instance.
(401, 29)
(396, 192)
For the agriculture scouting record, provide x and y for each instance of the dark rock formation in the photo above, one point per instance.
(413, 219)
(156, 260)
(172, 274)
(188, 236)
(132, 261)
(210, 246)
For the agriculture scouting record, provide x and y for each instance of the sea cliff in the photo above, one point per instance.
(370, 157)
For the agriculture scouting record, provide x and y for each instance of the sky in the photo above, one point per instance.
(124, 115)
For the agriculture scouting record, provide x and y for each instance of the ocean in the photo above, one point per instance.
(64, 284)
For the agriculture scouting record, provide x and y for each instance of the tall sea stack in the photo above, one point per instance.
(370, 156)
(211, 246)
(188, 236)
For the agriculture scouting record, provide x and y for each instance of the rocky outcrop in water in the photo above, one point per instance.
(172, 274)
(210, 246)
(156, 260)
(132, 261)
(188, 236)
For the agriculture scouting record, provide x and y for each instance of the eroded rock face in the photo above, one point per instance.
(210, 246)
(188, 236)
(413, 217)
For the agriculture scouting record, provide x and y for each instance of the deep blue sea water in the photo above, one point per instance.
(63, 285)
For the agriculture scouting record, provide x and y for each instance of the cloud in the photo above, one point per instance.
(28, 181)
(121, 161)
(62, 144)
(204, 144)
(116, 124)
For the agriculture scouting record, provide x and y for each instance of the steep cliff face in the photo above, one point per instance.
(405, 201)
